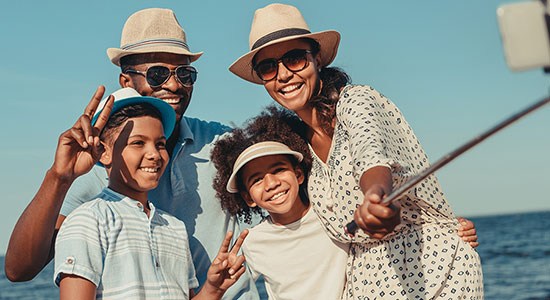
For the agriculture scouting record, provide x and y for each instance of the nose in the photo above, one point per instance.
(283, 74)
(271, 181)
(152, 153)
(172, 84)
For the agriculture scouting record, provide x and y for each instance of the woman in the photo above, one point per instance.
(362, 148)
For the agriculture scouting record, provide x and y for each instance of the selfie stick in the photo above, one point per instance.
(352, 227)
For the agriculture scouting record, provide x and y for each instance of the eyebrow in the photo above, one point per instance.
(255, 174)
(135, 136)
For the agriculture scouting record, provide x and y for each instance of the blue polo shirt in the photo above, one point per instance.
(128, 255)
(185, 191)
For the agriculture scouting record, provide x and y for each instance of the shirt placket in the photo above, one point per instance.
(153, 246)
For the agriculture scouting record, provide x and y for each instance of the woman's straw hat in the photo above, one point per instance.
(277, 23)
(149, 31)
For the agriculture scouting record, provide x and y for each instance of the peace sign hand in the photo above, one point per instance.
(78, 148)
(227, 267)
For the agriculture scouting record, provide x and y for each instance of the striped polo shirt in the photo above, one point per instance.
(111, 242)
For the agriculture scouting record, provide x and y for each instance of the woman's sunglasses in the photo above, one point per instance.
(294, 60)
(158, 75)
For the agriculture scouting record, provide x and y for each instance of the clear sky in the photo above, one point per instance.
(441, 62)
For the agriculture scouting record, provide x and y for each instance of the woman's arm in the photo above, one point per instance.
(75, 287)
(375, 219)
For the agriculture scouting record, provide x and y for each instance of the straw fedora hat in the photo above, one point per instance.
(277, 23)
(152, 30)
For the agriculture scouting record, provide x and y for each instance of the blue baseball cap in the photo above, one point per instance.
(128, 96)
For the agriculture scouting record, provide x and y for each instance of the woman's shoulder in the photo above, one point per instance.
(354, 95)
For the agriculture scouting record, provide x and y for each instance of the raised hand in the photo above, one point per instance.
(78, 148)
(227, 267)
(375, 219)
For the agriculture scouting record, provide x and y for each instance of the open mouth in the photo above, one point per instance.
(150, 170)
(277, 196)
(172, 100)
(291, 88)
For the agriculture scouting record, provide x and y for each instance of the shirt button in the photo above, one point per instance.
(157, 263)
(70, 261)
(139, 205)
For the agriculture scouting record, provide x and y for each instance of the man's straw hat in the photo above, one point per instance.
(277, 23)
(149, 31)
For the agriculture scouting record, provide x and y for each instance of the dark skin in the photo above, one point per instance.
(31, 245)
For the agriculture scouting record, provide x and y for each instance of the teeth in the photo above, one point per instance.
(290, 88)
(172, 101)
(149, 170)
(277, 196)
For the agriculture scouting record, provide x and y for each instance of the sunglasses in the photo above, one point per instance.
(294, 60)
(158, 75)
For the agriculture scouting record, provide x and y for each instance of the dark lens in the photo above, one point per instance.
(295, 60)
(186, 74)
(157, 75)
(267, 69)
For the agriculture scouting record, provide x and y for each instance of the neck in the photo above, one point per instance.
(296, 213)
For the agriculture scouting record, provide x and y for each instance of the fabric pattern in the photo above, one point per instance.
(111, 242)
(423, 258)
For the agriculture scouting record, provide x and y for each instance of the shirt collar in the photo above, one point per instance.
(185, 131)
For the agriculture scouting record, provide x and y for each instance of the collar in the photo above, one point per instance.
(185, 133)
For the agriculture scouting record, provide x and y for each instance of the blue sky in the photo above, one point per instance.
(441, 62)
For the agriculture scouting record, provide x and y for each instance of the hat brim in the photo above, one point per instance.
(168, 115)
(328, 42)
(115, 54)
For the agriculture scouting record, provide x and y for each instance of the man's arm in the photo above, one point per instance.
(32, 241)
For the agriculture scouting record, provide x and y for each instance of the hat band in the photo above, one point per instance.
(278, 35)
(156, 42)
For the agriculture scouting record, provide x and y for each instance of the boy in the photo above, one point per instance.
(119, 246)
(266, 166)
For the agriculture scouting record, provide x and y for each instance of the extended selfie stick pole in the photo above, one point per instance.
(352, 227)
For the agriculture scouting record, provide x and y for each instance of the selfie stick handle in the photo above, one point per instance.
(352, 227)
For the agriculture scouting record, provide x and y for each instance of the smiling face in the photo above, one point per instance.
(172, 91)
(137, 158)
(273, 183)
(291, 89)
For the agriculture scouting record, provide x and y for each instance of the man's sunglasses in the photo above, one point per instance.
(294, 60)
(158, 75)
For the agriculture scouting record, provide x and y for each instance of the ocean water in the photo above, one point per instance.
(514, 251)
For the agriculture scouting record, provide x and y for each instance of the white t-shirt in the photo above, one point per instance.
(298, 260)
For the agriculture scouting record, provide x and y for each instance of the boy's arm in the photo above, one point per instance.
(225, 270)
(32, 241)
(76, 287)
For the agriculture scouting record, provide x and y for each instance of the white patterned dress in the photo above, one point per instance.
(423, 258)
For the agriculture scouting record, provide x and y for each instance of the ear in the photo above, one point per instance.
(125, 80)
(247, 199)
(299, 174)
(106, 157)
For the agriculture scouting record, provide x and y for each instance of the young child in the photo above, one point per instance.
(265, 166)
(119, 246)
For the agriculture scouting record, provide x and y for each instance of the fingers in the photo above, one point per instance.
(96, 98)
(236, 266)
(465, 233)
(226, 242)
(474, 244)
(104, 115)
(237, 247)
(465, 224)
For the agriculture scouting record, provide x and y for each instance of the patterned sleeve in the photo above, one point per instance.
(79, 247)
(378, 132)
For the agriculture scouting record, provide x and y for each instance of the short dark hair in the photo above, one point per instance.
(274, 124)
(122, 115)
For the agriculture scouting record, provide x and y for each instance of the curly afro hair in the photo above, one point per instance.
(274, 124)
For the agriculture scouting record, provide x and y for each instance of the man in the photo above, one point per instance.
(155, 61)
